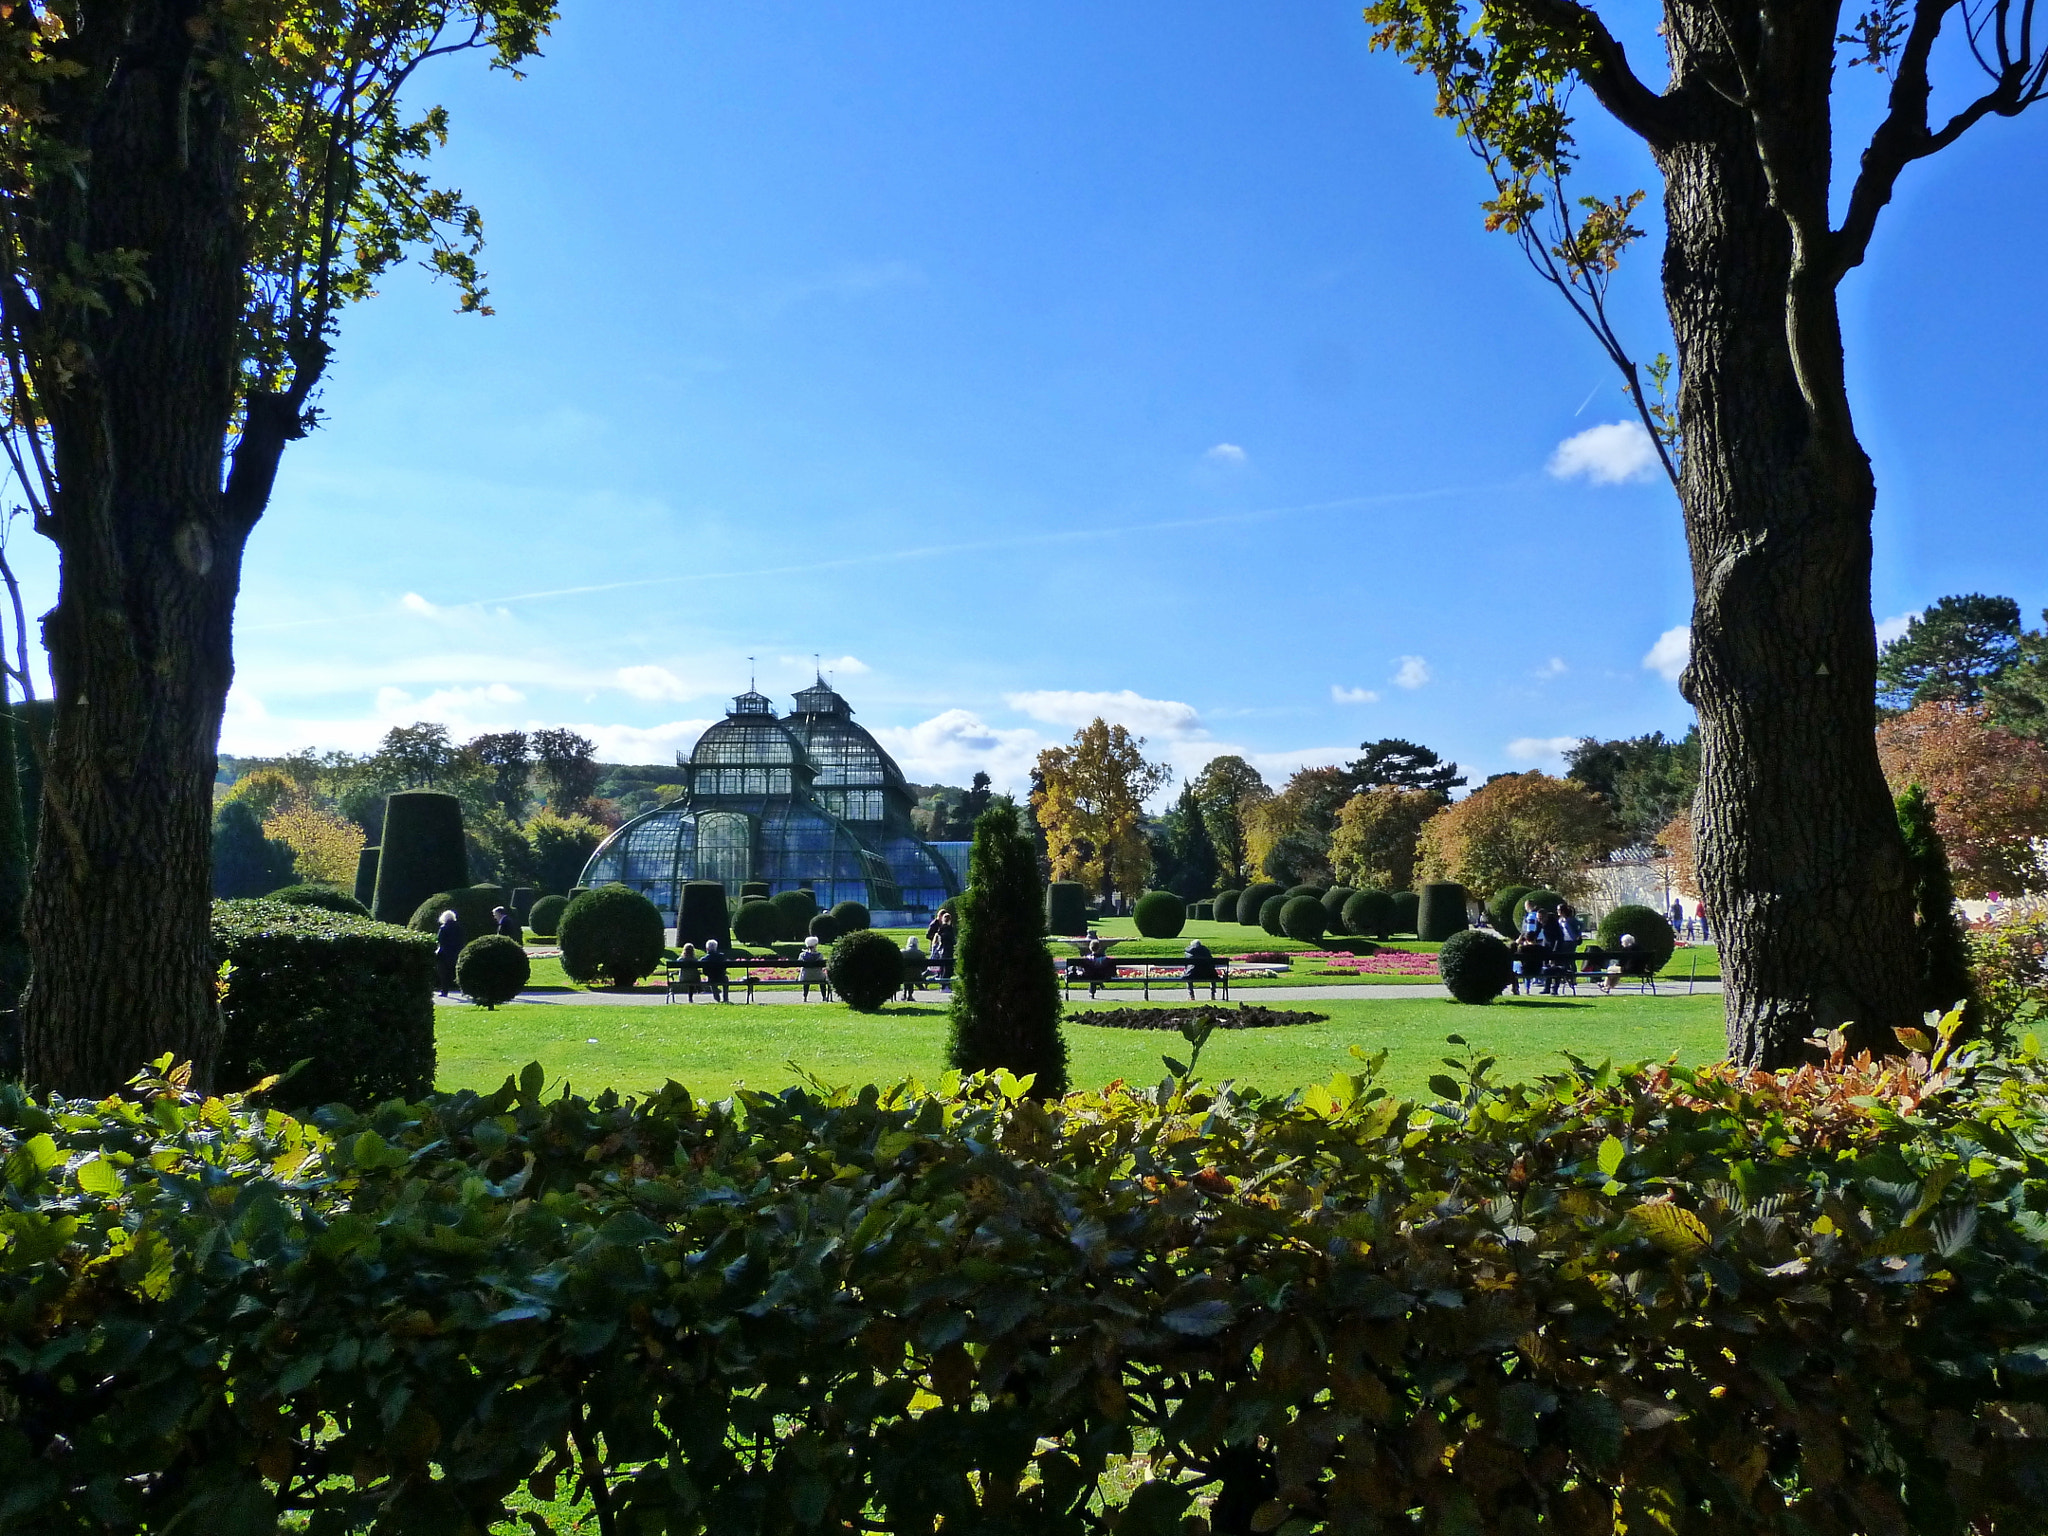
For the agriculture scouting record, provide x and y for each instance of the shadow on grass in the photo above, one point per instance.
(1538, 1002)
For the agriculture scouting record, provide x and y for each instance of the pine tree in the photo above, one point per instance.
(1944, 951)
(1006, 1002)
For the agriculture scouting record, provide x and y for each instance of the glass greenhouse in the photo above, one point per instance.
(809, 799)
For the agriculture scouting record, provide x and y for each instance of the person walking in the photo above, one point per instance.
(914, 962)
(810, 970)
(506, 924)
(1699, 912)
(714, 973)
(942, 953)
(447, 947)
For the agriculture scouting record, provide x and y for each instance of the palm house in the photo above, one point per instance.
(809, 799)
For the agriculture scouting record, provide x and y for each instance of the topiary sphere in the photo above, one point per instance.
(612, 934)
(1406, 904)
(1540, 899)
(1269, 915)
(546, 917)
(1160, 915)
(331, 898)
(866, 970)
(1253, 901)
(1654, 939)
(1226, 906)
(1369, 912)
(796, 909)
(1303, 889)
(472, 906)
(824, 928)
(1500, 911)
(851, 916)
(757, 922)
(1303, 918)
(1333, 906)
(492, 970)
(1441, 911)
(1476, 965)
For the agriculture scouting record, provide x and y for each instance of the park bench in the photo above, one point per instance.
(1145, 976)
(742, 973)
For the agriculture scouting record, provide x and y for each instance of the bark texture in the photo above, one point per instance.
(140, 638)
(1799, 854)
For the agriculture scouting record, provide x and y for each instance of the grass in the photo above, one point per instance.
(711, 1047)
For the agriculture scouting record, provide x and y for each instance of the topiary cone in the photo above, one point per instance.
(1440, 911)
(422, 852)
(366, 878)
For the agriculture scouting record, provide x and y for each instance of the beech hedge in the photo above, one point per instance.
(1644, 1298)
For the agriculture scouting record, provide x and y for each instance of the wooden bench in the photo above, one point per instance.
(742, 972)
(1163, 974)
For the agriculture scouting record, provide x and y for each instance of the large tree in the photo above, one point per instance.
(1988, 787)
(191, 192)
(1401, 764)
(1230, 790)
(1090, 802)
(1289, 834)
(1645, 780)
(1525, 829)
(1949, 653)
(1799, 849)
(1374, 844)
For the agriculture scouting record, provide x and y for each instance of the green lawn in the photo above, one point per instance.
(710, 1047)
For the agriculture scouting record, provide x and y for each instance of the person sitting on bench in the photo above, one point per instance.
(810, 970)
(1201, 967)
(1095, 967)
(1627, 962)
(687, 975)
(714, 973)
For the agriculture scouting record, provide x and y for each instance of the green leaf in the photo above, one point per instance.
(1611, 1154)
(97, 1176)
(1671, 1227)
(1200, 1318)
(1445, 1088)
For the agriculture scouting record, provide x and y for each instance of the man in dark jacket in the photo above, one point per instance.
(508, 924)
(447, 947)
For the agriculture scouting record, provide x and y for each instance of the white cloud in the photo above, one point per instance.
(1059, 706)
(466, 701)
(1229, 455)
(412, 602)
(643, 744)
(1672, 651)
(1413, 672)
(951, 747)
(830, 666)
(652, 682)
(1892, 629)
(1613, 454)
(1538, 749)
(1554, 667)
(1342, 695)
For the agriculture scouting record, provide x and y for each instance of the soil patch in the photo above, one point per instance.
(1243, 1016)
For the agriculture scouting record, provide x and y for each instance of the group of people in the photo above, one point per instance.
(935, 959)
(449, 939)
(1692, 925)
(1547, 954)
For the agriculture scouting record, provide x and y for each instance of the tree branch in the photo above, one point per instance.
(1659, 120)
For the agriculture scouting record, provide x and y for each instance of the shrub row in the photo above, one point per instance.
(1652, 1299)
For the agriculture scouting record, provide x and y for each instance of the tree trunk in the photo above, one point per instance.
(1798, 849)
(140, 638)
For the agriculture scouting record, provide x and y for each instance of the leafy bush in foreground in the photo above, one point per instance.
(1659, 1297)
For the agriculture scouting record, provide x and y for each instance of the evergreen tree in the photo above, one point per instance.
(1950, 652)
(1183, 858)
(1006, 1001)
(1404, 765)
(245, 862)
(1944, 951)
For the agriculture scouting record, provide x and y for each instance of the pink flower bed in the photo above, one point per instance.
(1388, 962)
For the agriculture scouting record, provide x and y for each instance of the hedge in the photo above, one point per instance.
(1370, 913)
(1269, 915)
(1476, 966)
(755, 890)
(1304, 889)
(422, 851)
(1406, 905)
(1226, 906)
(866, 970)
(851, 916)
(703, 915)
(331, 898)
(1303, 918)
(492, 970)
(545, 920)
(611, 935)
(1160, 915)
(366, 878)
(1252, 901)
(757, 922)
(1655, 941)
(352, 998)
(473, 906)
(796, 909)
(1333, 907)
(1652, 1298)
(1440, 911)
(1066, 908)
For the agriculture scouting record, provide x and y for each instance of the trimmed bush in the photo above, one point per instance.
(472, 905)
(1269, 915)
(755, 890)
(1225, 906)
(824, 928)
(1500, 910)
(545, 920)
(1541, 899)
(1370, 914)
(1405, 911)
(1440, 912)
(703, 916)
(366, 877)
(851, 916)
(352, 998)
(1252, 901)
(1160, 915)
(1333, 907)
(866, 970)
(1654, 939)
(1303, 918)
(757, 922)
(422, 852)
(1476, 965)
(795, 909)
(612, 934)
(1066, 909)
(492, 970)
(332, 898)
(1304, 890)
(1201, 911)
(1006, 994)
(521, 902)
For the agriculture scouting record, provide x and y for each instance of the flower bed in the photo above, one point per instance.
(1386, 962)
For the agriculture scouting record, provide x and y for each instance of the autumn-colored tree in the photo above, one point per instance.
(1374, 844)
(191, 191)
(1520, 829)
(266, 791)
(1989, 789)
(324, 846)
(1288, 834)
(1090, 803)
(1676, 840)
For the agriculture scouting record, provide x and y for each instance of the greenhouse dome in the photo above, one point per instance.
(807, 800)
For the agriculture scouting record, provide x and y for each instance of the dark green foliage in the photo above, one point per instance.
(1303, 918)
(492, 970)
(1225, 906)
(653, 1275)
(522, 901)
(1944, 948)
(1160, 915)
(1333, 907)
(1270, 910)
(703, 915)
(422, 851)
(1183, 857)
(1541, 899)
(1645, 780)
(851, 916)
(352, 998)
(245, 862)
(472, 906)
(366, 876)
(1370, 913)
(612, 934)
(796, 909)
(1406, 904)
(1066, 908)
(1304, 890)
(545, 920)
(1252, 901)
(1476, 965)
(332, 897)
(1403, 765)
(1950, 652)
(866, 970)
(1006, 996)
(755, 890)
(757, 922)
(1440, 912)
(1202, 912)
(1654, 939)
(1500, 911)
(824, 928)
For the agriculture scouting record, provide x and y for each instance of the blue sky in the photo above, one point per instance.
(1027, 363)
